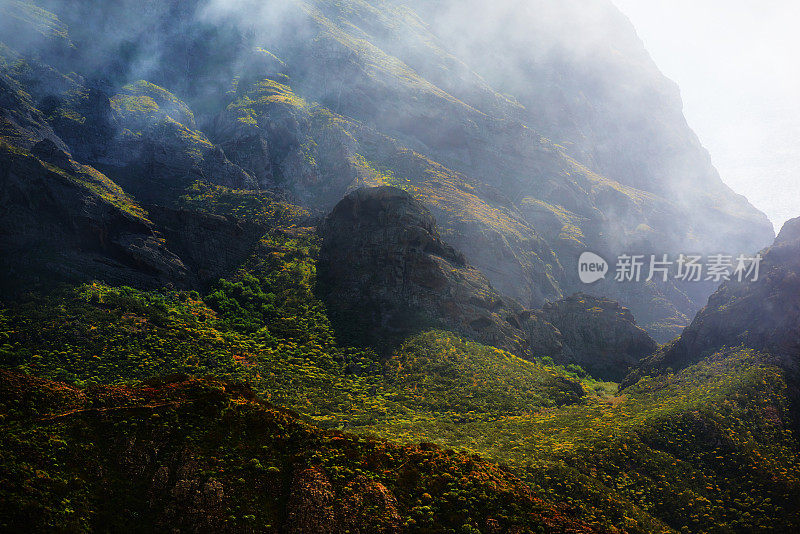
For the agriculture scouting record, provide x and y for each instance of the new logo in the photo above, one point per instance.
(591, 268)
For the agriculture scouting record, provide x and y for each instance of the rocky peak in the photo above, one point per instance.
(384, 270)
(391, 213)
(790, 232)
(761, 314)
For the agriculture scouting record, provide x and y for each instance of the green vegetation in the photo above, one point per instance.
(706, 450)
(256, 206)
(127, 104)
(215, 458)
(255, 98)
(437, 372)
(145, 103)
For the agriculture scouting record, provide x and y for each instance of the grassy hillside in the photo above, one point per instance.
(204, 455)
(709, 449)
(217, 396)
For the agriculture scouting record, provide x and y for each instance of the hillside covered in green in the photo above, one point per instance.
(710, 449)
(310, 267)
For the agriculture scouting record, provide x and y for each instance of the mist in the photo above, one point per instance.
(547, 125)
(736, 64)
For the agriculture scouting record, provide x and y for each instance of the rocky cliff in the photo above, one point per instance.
(63, 221)
(762, 314)
(385, 272)
(571, 140)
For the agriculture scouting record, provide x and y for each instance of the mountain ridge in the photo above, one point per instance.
(261, 110)
(311, 266)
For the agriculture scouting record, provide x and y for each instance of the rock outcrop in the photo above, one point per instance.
(600, 335)
(385, 272)
(763, 314)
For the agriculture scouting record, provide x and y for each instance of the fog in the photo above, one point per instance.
(736, 63)
(570, 69)
(552, 107)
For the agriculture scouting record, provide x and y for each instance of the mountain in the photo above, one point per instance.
(385, 270)
(573, 141)
(283, 266)
(762, 314)
(385, 273)
(66, 219)
(599, 335)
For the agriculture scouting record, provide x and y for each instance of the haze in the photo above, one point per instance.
(737, 67)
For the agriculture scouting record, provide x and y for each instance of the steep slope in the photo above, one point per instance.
(385, 273)
(644, 204)
(762, 314)
(63, 221)
(323, 97)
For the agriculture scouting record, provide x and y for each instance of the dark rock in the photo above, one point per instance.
(384, 270)
(21, 124)
(55, 229)
(46, 150)
(600, 335)
(762, 314)
(211, 246)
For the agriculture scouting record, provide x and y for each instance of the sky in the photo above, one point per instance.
(737, 63)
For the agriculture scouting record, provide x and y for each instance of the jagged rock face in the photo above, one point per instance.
(21, 124)
(324, 99)
(63, 221)
(601, 336)
(59, 224)
(384, 268)
(762, 314)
